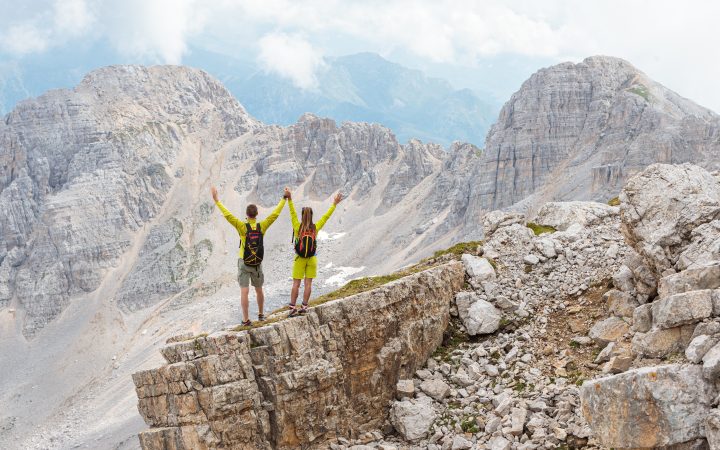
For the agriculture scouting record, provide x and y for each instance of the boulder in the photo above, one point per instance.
(662, 205)
(704, 247)
(436, 389)
(412, 418)
(648, 407)
(405, 388)
(711, 363)
(624, 280)
(620, 303)
(660, 343)
(561, 215)
(609, 330)
(642, 318)
(480, 318)
(681, 309)
(546, 247)
(478, 268)
(499, 219)
(706, 276)
(699, 347)
(712, 429)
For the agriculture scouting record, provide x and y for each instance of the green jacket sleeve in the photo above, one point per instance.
(293, 217)
(323, 219)
(234, 221)
(265, 224)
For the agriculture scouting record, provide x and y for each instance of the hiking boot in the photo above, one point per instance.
(293, 311)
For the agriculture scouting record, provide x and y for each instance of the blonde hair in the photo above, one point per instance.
(306, 224)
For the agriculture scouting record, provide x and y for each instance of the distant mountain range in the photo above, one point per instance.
(361, 88)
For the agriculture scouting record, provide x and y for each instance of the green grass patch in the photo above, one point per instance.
(452, 339)
(642, 91)
(615, 201)
(469, 425)
(540, 229)
(459, 249)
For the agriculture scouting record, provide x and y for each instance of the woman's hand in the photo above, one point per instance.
(287, 194)
(214, 193)
(338, 198)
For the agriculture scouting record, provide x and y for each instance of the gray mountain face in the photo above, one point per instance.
(578, 131)
(84, 170)
(109, 240)
(115, 173)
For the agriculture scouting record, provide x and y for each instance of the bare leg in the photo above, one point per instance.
(294, 291)
(244, 291)
(308, 290)
(260, 298)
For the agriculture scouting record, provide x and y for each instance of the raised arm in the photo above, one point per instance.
(321, 223)
(265, 224)
(234, 221)
(293, 213)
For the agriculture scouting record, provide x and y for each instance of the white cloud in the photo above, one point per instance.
(72, 17)
(292, 57)
(24, 38)
(671, 43)
(156, 29)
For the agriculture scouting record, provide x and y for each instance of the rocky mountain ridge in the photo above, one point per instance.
(564, 341)
(109, 242)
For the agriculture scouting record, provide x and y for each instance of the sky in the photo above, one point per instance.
(673, 42)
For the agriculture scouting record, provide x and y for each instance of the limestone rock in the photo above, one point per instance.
(642, 318)
(660, 343)
(405, 388)
(230, 380)
(608, 330)
(560, 215)
(698, 347)
(681, 309)
(712, 429)
(662, 205)
(701, 277)
(460, 443)
(479, 268)
(620, 304)
(499, 219)
(436, 389)
(648, 407)
(482, 318)
(412, 418)
(711, 363)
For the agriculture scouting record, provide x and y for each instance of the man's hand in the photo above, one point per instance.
(214, 193)
(338, 198)
(287, 194)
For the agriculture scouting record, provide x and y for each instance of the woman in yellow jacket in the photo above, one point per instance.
(305, 238)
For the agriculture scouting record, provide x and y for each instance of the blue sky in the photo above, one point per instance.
(487, 45)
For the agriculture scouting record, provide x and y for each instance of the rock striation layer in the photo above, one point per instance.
(298, 382)
(579, 131)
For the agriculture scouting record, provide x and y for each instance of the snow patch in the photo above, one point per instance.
(325, 236)
(343, 275)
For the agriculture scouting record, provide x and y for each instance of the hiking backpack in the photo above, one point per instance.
(254, 251)
(305, 244)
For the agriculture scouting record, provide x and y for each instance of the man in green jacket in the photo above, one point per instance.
(251, 252)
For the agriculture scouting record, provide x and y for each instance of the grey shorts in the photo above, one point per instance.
(247, 274)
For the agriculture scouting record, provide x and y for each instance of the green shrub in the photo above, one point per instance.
(540, 229)
(615, 201)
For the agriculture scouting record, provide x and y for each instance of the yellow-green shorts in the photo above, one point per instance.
(304, 267)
